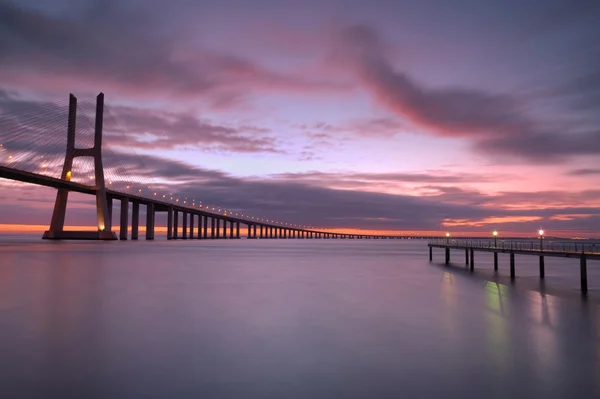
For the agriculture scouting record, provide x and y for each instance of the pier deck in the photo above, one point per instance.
(581, 251)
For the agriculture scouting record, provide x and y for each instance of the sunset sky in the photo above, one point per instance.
(389, 115)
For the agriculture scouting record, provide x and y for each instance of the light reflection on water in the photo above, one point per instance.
(297, 318)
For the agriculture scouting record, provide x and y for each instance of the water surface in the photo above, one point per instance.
(289, 319)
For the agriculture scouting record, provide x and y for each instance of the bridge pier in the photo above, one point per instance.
(149, 221)
(512, 265)
(237, 229)
(205, 226)
(175, 224)
(583, 272)
(218, 228)
(472, 260)
(184, 223)
(135, 220)
(212, 228)
(123, 226)
(192, 217)
(170, 223)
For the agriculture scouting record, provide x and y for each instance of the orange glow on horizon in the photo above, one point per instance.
(39, 229)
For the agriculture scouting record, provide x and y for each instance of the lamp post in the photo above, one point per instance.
(495, 233)
(541, 233)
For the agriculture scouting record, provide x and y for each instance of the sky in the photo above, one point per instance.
(380, 115)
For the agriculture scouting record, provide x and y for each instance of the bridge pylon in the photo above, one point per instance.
(103, 216)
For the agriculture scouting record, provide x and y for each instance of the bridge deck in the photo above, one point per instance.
(521, 251)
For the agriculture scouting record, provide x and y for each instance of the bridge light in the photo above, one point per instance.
(68, 176)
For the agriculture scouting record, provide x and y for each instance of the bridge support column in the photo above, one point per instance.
(199, 236)
(249, 235)
(237, 229)
(170, 223)
(149, 221)
(175, 224)
(496, 261)
(254, 231)
(184, 223)
(231, 229)
(512, 265)
(447, 255)
(583, 272)
(205, 226)
(218, 228)
(135, 220)
(192, 217)
(472, 260)
(542, 269)
(212, 227)
(124, 218)
(261, 232)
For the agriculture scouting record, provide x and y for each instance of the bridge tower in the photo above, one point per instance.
(103, 216)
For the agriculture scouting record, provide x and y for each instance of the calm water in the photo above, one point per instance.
(289, 319)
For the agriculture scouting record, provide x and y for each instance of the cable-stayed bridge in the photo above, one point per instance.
(38, 148)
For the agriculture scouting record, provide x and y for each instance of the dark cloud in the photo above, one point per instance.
(153, 129)
(497, 124)
(547, 148)
(429, 177)
(102, 49)
(584, 172)
(447, 112)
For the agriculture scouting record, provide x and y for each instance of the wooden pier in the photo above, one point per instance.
(581, 251)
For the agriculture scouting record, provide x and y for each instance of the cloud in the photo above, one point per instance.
(584, 172)
(456, 112)
(153, 129)
(494, 123)
(102, 50)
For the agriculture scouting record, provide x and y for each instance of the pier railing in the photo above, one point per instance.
(524, 245)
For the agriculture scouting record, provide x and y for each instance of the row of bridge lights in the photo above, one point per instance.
(495, 234)
(43, 163)
(219, 210)
(208, 208)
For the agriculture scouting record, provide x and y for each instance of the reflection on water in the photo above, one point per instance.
(284, 319)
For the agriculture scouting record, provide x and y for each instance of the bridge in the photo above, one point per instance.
(184, 221)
